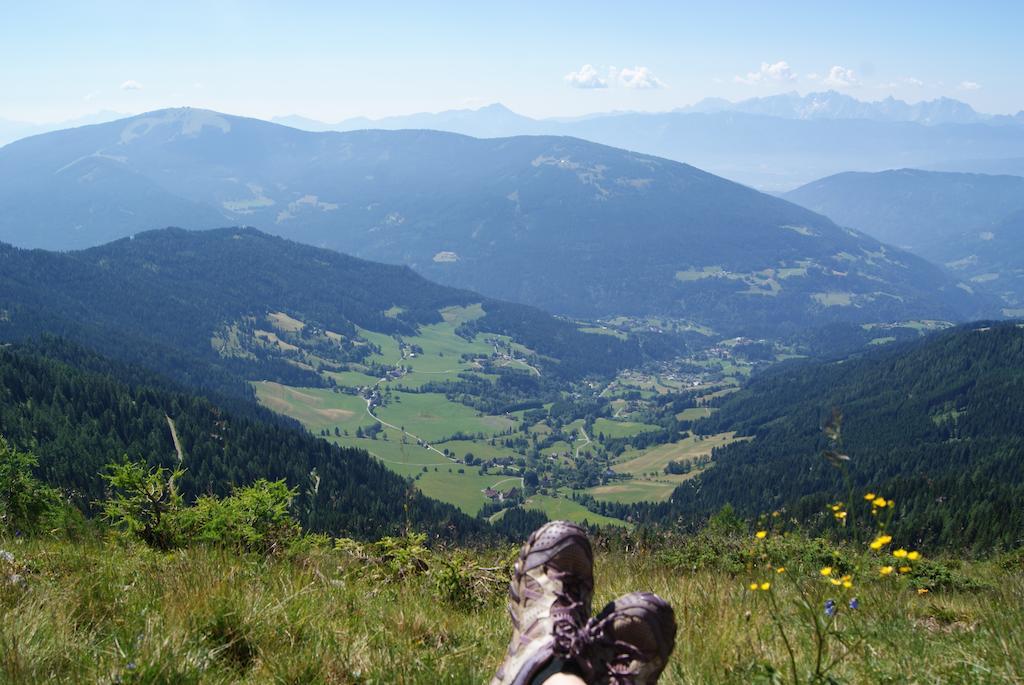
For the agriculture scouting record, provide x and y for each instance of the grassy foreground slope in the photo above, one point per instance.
(101, 612)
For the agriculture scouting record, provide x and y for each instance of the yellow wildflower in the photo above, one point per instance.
(922, 591)
(880, 541)
(885, 570)
(835, 581)
(913, 556)
(761, 534)
(781, 569)
(878, 502)
(870, 496)
(847, 584)
(900, 553)
(826, 571)
(891, 503)
(766, 586)
(753, 586)
(904, 569)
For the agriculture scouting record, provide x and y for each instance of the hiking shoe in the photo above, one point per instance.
(549, 600)
(630, 641)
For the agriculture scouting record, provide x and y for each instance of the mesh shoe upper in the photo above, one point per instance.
(630, 641)
(549, 600)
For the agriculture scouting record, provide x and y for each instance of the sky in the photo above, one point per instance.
(334, 60)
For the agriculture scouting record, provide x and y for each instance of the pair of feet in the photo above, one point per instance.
(627, 643)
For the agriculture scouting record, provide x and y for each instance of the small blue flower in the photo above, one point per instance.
(854, 604)
(130, 666)
(830, 607)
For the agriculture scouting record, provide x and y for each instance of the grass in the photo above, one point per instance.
(620, 429)
(464, 490)
(393, 453)
(102, 613)
(657, 489)
(833, 299)
(696, 413)
(565, 509)
(316, 408)
(656, 458)
(432, 417)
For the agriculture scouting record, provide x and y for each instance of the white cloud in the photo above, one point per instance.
(911, 81)
(586, 77)
(841, 77)
(780, 72)
(131, 85)
(969, 85)
(637, 77)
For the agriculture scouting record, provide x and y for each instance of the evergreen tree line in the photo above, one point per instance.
(76, 422)
(934, 424)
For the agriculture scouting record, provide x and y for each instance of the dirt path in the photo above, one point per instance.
(174, 437)
(585, 437)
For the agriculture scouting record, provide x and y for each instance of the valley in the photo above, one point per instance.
(411, 403)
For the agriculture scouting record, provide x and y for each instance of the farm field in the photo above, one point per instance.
(565, 509)
(655, 459)
(645, 489)
(432, 417)
(620, 429)
(696, 413)
(317, 408)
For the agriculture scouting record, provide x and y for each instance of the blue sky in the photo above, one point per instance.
(335, 60)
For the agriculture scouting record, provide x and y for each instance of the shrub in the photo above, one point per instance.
(255, 518)
(26, 504)
(144, 502)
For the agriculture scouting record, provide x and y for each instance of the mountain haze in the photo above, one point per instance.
(964, 221)
(774, 143)
(575, 227)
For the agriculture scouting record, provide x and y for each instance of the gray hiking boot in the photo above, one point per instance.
(549, 600)
(630, 641)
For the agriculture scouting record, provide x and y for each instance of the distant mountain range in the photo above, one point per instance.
(571, 226)
(834, 105)
(773, 143)
(971, 223)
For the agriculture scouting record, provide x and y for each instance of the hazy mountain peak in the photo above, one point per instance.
(831, 104)
(183, 121)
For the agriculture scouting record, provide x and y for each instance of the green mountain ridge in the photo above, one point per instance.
(168, 299)
(934, 424)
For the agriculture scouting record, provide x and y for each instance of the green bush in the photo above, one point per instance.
(144, 502)
(255, 518)
(26, 504)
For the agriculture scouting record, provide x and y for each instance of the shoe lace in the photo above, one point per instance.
(569, 615)
(594, 648)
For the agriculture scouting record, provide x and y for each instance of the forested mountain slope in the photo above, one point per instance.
(77, 421)
(936, 425)
(181, 303)
(568, 225)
